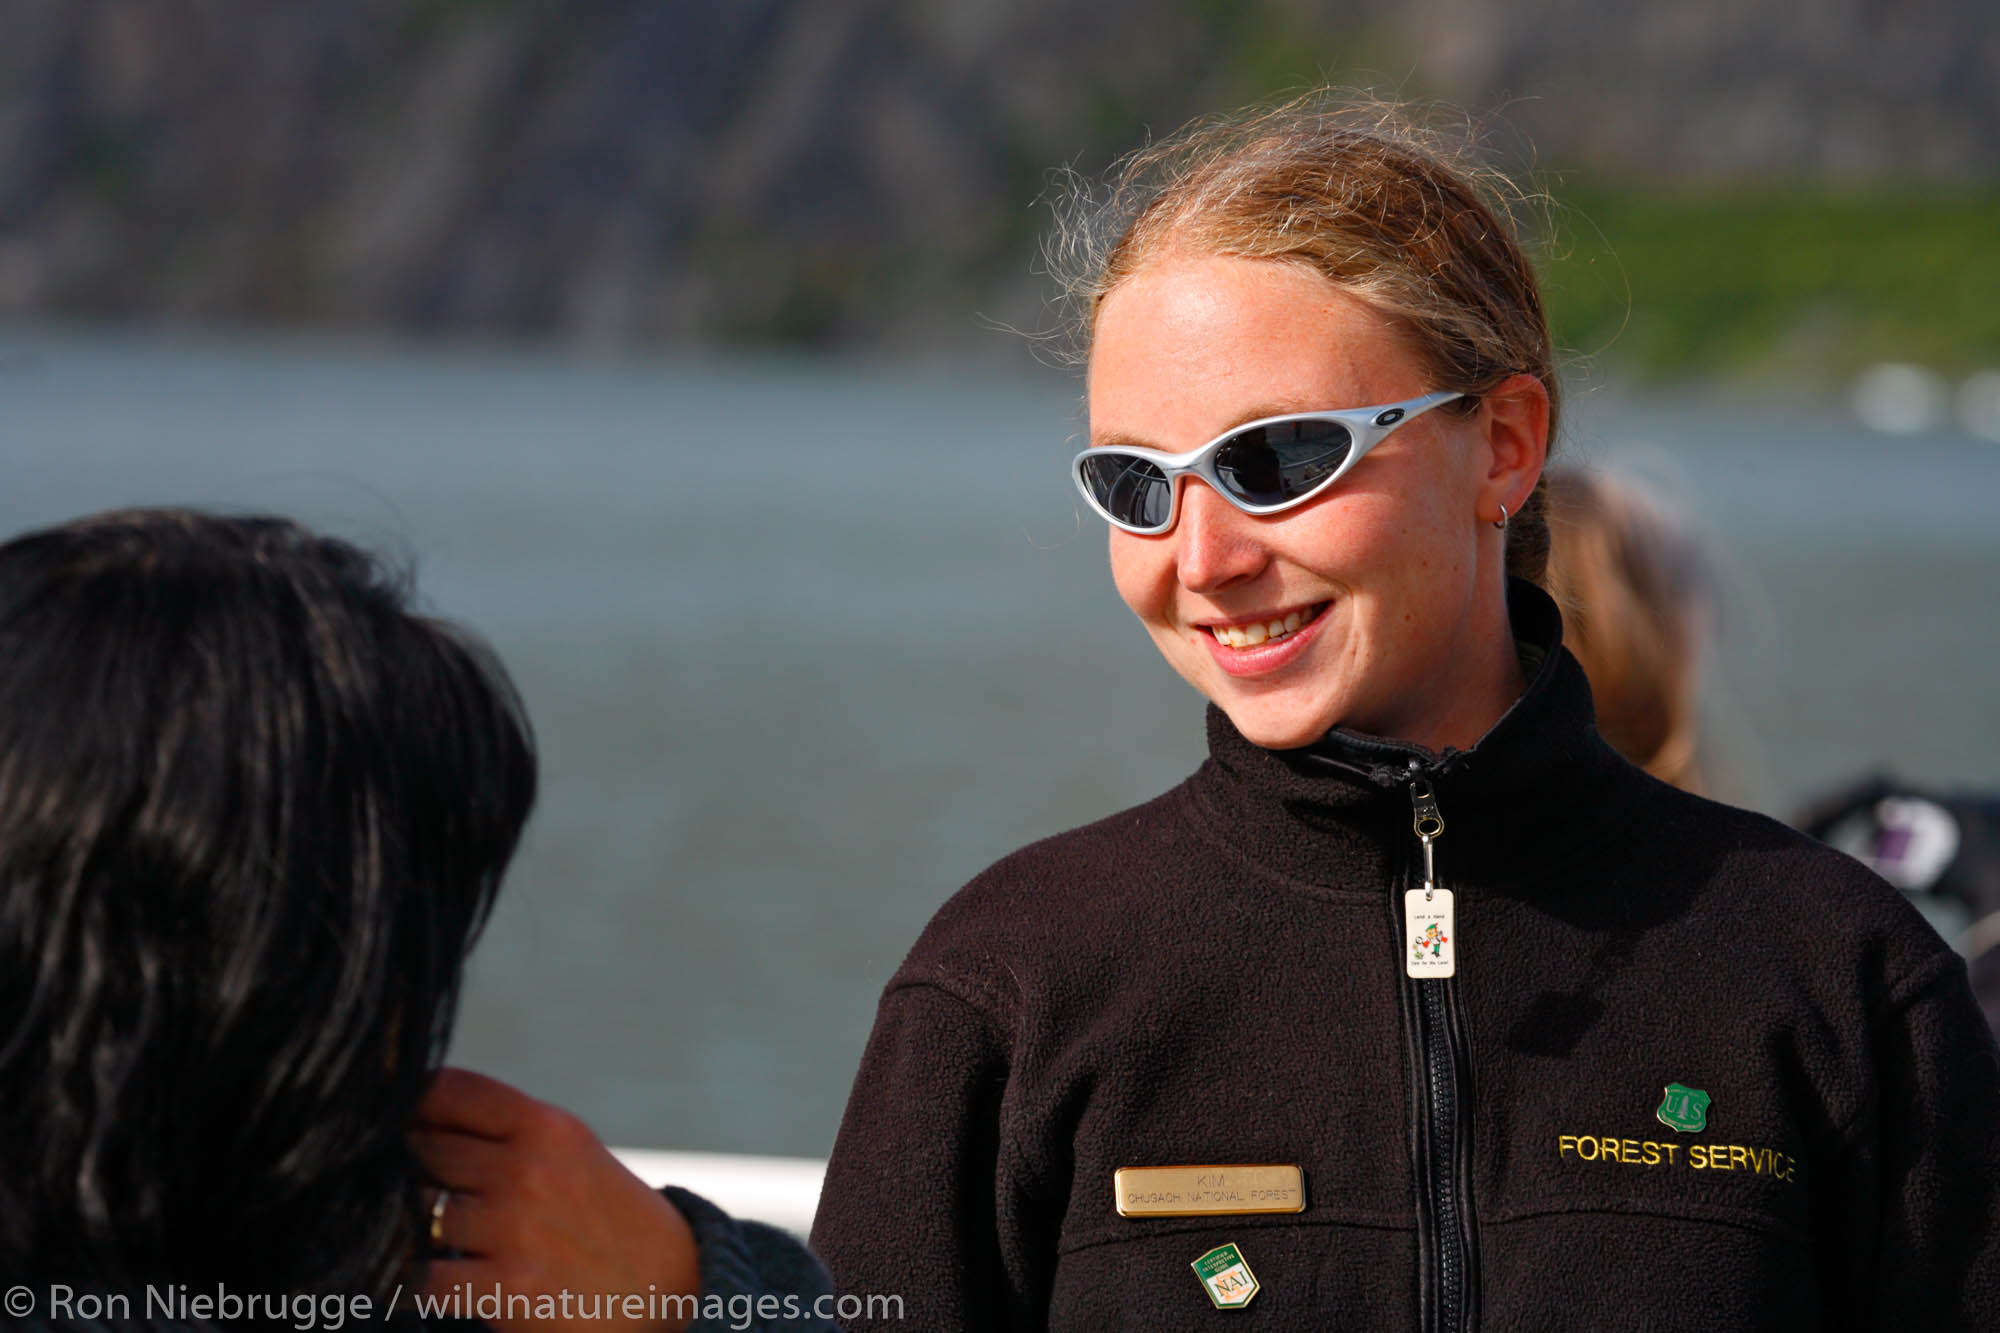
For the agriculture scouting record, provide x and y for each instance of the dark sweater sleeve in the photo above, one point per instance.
(1938, 1246)
(909, 1209)
(753, 1276)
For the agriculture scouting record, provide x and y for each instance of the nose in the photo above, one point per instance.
(1218, 544)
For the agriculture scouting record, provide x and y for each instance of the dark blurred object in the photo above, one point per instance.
(1940, 847)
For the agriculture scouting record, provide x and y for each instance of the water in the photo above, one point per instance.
(808, 643)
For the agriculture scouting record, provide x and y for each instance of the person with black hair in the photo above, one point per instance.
(253, 813)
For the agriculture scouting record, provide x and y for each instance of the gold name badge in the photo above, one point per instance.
(1200, 1191)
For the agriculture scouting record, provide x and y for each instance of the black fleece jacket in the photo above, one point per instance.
(1217, 977)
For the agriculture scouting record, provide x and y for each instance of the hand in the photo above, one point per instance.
(539, 1206)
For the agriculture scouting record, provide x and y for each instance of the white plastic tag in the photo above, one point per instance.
(1430, 943)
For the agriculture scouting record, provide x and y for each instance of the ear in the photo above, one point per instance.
(1515, 413)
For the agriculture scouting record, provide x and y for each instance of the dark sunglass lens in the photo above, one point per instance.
(1131, 490)
(1272, 464)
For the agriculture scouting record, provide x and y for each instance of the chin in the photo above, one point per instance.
(1275, 728)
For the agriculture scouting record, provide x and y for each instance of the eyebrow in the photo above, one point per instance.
(1117, 440)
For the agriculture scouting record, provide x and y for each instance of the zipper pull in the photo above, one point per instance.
(1430, 947)
(1428, 824)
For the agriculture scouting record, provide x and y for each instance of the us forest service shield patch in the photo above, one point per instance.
(1684, 1109)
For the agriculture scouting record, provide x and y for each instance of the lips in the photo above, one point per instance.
(1270, 643)
(1256, 633)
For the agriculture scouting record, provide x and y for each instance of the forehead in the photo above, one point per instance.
(1188, 347)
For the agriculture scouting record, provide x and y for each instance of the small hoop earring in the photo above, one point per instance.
(1501, 522)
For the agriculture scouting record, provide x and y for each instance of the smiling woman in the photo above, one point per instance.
(1192, 346)
(1414, 931)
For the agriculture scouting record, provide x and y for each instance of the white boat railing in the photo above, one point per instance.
(783, 1191)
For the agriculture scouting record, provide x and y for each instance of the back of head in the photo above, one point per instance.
(1360, 193)
(252, 813)
(1637, 596)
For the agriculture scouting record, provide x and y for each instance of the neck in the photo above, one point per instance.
(1478, 711)
(1486, 680)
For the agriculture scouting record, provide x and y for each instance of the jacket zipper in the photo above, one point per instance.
(1438, 1064)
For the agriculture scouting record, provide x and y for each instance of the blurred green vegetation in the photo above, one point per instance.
(1774, 282)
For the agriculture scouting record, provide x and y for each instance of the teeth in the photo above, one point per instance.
(1249, 636)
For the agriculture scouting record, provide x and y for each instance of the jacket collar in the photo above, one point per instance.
(1524, 793)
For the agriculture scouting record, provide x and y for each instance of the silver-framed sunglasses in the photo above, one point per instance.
(1262, 467)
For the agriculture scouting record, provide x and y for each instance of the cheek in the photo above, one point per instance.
(1415, 536)
(1143, 570)
(1349, 542)
(1425, 574)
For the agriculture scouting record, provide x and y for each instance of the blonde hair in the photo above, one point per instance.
(1637, 596)
(1358, 193)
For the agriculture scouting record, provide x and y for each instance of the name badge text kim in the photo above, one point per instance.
(1202, 1191)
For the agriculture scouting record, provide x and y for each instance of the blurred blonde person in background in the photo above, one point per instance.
(1638, 599)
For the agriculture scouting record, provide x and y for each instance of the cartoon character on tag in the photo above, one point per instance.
(1432, 941)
